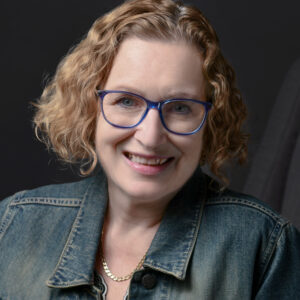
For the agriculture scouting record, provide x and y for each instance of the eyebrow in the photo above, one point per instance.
(171, 95)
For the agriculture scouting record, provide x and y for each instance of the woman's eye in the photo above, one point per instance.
(126, 102)
(181, 108)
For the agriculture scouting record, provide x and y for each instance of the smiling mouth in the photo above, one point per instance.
(153, 161)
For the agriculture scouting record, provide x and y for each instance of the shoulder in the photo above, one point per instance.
(246, 220)
(240, 236)
(271, 242)
(235, 201)
(64, 194)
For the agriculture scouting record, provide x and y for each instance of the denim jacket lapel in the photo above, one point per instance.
(170, 250)
(76, 263)
(173, 244)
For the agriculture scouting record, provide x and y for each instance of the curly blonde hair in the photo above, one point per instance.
(67, 110)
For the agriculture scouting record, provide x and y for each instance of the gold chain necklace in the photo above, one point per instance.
(121, 278)
(114, 277)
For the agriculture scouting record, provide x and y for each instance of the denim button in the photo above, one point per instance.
(149, 281)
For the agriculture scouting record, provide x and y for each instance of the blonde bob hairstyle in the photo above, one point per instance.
(67, 110)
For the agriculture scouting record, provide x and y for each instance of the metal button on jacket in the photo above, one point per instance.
(149, 281)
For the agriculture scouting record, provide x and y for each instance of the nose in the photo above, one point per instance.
(151, 132)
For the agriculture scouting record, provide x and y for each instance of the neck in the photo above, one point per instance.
(130, 225)
(127, 215)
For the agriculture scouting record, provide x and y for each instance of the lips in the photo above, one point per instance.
(147, 164)
(155, 161)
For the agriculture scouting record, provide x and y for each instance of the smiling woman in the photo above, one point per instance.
(148, 98)
(125, 154)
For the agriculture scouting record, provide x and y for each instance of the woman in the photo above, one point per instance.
(148, 95)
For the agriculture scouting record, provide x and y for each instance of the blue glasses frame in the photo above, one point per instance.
(153, 105)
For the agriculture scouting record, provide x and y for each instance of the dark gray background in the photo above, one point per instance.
(259, 38)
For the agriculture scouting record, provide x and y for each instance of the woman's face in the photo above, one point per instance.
(132, 158)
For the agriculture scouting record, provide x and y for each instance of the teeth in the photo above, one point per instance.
(147, 161)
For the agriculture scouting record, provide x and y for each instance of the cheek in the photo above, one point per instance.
(105, 144)
(195, 154)
(103, 138)
(192, 148)
(107, 137)
(99, 134)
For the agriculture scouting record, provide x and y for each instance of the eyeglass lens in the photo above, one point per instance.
(126, 110)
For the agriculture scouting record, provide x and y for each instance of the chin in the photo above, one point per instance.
(144, 192)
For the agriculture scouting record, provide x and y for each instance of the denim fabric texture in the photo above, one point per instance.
(209, 246)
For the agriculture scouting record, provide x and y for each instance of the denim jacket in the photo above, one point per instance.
(209, 246)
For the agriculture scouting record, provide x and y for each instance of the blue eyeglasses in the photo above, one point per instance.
(127, 110)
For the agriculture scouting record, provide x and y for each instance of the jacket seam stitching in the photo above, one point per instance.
(72, 202)
(9, 214)
(198, 219)
(247, 203)
(178, 272)
(69, 242)
(6, 220)
(270, 249)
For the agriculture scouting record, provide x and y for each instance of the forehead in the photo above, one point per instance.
(157, 68)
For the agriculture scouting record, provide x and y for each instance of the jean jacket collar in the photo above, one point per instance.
(169, 252)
